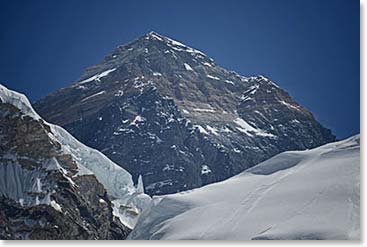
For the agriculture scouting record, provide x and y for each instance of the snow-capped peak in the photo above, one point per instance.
(174, 44)
(154, 35)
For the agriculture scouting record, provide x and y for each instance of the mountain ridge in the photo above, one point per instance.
(167, 112)
(54, 187)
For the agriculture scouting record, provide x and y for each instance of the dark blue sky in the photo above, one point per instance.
(309, 47)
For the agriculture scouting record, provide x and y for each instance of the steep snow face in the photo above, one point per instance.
(18, 183)
(311, 194)
(18, 100)
(128, 201)
(116, 180)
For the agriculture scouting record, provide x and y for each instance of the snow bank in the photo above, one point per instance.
(311, 194)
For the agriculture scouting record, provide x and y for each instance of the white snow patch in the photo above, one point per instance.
(205, 169)
(97, 77)
(93, 95)
(212, 130)
(137, 119)
(251, 91)
(248, 129)
(201, 129)
(181, 47)
(188, 67)
(213, 77)
(154, 36)
(229, 82)
(55, 205)
(204, 110)
(289, 105)
(207, 64)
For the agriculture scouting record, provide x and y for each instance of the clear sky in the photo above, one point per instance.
(309, 47)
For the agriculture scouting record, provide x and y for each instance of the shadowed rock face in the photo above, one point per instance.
(167, 112)
(41, 195)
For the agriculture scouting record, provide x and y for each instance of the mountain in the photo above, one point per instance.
(167, 112)
(313, 194)
(54, 187)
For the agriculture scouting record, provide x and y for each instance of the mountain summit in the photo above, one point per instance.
(167, 112)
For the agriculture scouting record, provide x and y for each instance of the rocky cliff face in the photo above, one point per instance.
(47, 191)
(167, 112)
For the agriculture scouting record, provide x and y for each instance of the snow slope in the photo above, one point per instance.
(116, 180)
(18, 100)
(311, 194)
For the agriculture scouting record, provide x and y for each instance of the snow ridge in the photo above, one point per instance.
(116, 180)
(18, 100)
(312, 194)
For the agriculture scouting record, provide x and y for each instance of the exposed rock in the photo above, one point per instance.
(45, 191)
(167, 112)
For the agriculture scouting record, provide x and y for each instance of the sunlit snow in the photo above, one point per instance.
(311, 194)
(97, 77)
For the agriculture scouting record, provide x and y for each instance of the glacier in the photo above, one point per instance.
(17, 183)
(312, 194)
